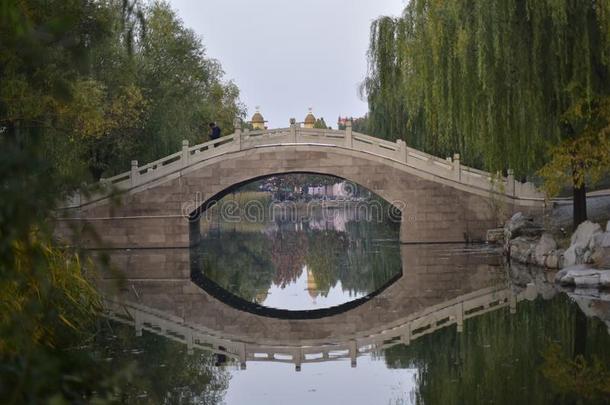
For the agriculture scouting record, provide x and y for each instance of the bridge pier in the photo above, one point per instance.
(445, 216)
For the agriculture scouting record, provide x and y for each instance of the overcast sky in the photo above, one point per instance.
(288, 55)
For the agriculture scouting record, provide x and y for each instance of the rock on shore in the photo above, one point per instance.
(586, 263)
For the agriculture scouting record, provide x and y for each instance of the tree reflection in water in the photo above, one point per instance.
(309, 246)
(512, 359)
(155, 370)
(359, 259)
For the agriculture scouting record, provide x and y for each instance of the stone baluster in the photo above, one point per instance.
(405, 337)
(402, 150)
(459, 316)
(134, 173)
(349, 136)
(298, 359)
(189, 342)
(237, 139)
(457, 169)
(137, 320)
(293, 130)
(512, 302)
(510, 182)
(185, 153)
(242, 356)
(353, 352)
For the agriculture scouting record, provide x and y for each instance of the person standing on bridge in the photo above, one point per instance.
(214, 131)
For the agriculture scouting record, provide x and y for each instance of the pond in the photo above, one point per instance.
(309, 298)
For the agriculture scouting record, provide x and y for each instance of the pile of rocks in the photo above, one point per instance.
(526, 242)
(583, 276)
(585, 263)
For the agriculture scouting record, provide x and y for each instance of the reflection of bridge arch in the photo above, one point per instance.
(412, 327)
(445, 201)
(437, 280)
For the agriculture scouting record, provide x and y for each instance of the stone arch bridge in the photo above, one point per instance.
(149, 206)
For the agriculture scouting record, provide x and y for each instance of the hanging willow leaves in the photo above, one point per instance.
(488, 79)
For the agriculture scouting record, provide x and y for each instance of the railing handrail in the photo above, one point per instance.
(413, 326)
(449, 168)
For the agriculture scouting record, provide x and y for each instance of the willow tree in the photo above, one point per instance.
(491, 80)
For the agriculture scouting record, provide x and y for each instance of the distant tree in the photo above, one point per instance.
(360, 124)
(320, 123)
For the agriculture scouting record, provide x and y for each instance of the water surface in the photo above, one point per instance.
(392, 324)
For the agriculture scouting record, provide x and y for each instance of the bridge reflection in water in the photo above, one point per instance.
(442, 286)
(303, 261)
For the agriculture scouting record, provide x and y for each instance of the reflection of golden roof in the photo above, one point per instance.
(312, 286)
(261, 297)
(257, 118)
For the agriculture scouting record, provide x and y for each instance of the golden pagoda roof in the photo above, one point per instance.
(310, 119)
(257, 118)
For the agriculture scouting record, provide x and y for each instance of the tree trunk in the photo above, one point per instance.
(579, 198)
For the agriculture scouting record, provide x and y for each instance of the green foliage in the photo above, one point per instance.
(578, 377)
(160, 371)
(247, 255)
(239, 262)
(46, 305)
(320, 123)
(585, 156)
(183, 86)
(488, 79)
(72, 72)
(37, 305)
(360, 124)
(505, 358)
(82, 86)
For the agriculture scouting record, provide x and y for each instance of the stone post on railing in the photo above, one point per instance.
(298, 359)
(405, 336)
(402, 150)
(237, 139)
(293, 130)
(510, 182)
(512, 302)
(459, 316)
(242, 356)
(457, 169)
(349, 136)
(353, 353)
(185, 153)
(137, 323)
(134, 173)
(190, 346)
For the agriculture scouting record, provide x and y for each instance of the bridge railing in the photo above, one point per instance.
(449, 168)
(410, 328)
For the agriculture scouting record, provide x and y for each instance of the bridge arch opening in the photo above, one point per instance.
(311, 244)
(349, 188)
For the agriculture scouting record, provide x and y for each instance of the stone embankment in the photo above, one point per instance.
(585, 263)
